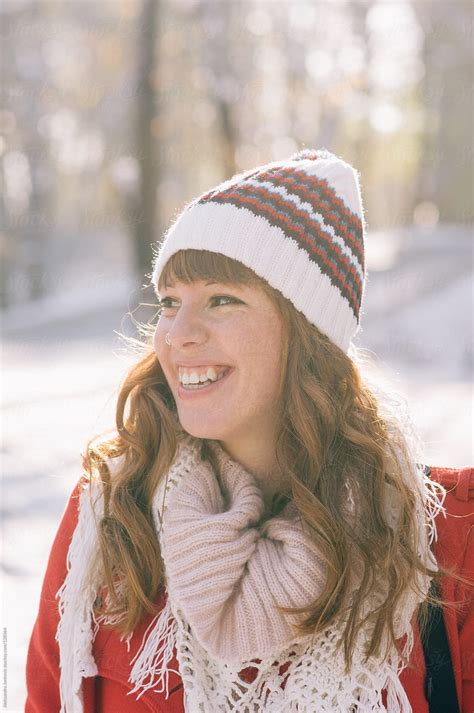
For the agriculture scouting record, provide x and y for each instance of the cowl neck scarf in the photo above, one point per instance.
(228, 569)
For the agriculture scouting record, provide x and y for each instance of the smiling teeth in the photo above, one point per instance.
(193, 377)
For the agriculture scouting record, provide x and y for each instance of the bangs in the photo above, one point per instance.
(190, 265)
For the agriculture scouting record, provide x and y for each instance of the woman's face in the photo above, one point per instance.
(235, 330)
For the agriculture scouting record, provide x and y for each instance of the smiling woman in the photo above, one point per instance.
(259, 504)
(242, 337)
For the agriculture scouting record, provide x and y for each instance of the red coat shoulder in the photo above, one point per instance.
(459, 482)
(454, 548)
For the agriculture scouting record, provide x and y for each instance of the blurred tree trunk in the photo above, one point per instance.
(35, 236)
(219, 28)
(229, 137)
(446, 174)
(362, 141)
(143, 219)
(27, 223)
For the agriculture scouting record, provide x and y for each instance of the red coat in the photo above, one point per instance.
(107, 691)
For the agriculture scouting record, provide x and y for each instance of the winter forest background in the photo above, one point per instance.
(116, 112)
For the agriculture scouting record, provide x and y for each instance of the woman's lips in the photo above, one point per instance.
(188, 394)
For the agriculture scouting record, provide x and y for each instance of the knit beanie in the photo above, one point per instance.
(298, 224)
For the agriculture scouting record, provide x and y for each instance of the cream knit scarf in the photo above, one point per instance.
(227, 570)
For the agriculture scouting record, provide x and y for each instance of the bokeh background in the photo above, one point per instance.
(116, 112)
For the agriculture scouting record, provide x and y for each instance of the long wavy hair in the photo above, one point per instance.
(336, 440)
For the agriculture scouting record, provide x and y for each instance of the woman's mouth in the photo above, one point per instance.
(189, 391)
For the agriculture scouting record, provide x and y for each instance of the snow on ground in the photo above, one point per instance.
(57, 393)
(418, 321)
(62, 366)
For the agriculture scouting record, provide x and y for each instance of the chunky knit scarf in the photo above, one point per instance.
(227, 570)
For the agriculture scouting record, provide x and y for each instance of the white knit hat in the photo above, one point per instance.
(298, 224)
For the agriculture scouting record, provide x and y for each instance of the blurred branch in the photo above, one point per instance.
(144, 220)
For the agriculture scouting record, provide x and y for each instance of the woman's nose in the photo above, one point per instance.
(187, 327)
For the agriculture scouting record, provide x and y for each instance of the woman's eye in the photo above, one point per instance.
(226, 297)
(165, 301)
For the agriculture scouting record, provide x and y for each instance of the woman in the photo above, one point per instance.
(256, 534)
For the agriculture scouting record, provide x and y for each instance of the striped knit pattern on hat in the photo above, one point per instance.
(298, 224)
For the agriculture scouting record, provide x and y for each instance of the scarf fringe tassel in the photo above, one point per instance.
(151, 662)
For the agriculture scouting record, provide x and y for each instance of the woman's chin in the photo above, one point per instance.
(204, 430)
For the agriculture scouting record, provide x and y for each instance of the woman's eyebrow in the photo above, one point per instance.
(225, 284)
(171, 284)
(232, 285)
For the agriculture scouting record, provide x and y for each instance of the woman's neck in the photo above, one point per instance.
(261, 462)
